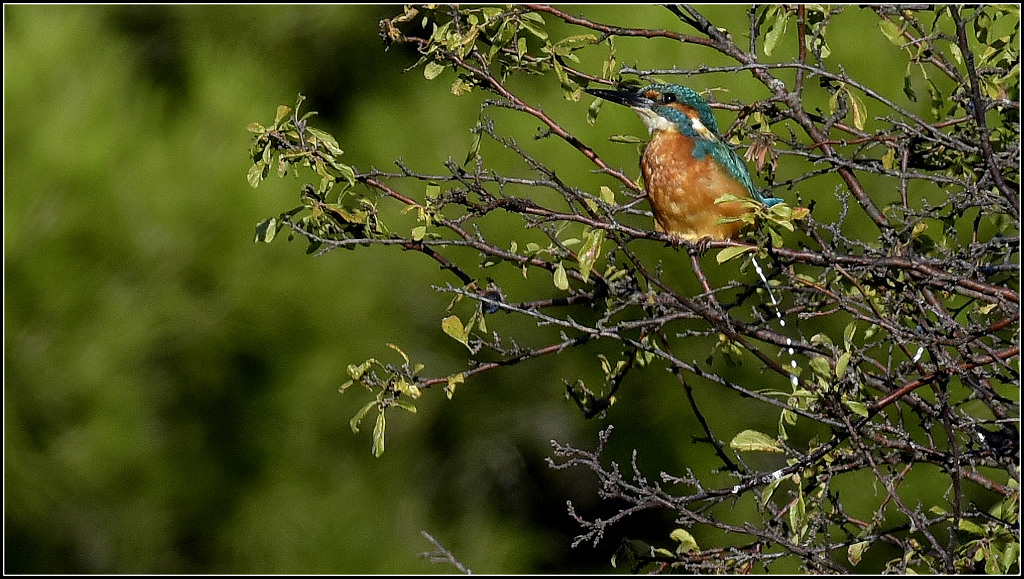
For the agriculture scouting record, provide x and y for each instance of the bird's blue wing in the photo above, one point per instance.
(734, 165)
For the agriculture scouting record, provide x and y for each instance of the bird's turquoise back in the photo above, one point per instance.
(706, 136)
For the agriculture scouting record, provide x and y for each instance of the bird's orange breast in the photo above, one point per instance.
(683, 190)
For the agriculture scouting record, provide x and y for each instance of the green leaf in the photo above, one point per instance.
(576, 41)
(848, 334)
(957, 55)
(787, 416)
(858, 408)
(778, 28)
(841, 363)
(781, 212)
(908, 86)
(326, 139)
(631, 139)
(817, 43)
(257, 173)
(731, 252)
(833, 103)
(1009, 556)
(563, 77)
(561, 279)
(892, 32)
(730, 198)
(378, 436)
(347, 173)
(354, 423)
(798, 515)
(432, 70)
(752, 440)
(266, 230)
(593, 110)
(821, 367)
(770, 490)
(474, 149)
(938, 100)
(530, 21)
(971, 527)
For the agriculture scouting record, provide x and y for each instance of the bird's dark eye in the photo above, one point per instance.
(668, 98)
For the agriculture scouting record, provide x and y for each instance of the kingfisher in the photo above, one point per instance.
(687, 166)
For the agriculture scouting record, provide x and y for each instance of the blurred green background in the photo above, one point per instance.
(171, 400)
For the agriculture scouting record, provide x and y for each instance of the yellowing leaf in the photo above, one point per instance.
(860, 110)
(686, 541)
(454, 381)
(282, 112)
(752, 440)
(889, 159)
(856, 551)
(590, 251)
(452, 326)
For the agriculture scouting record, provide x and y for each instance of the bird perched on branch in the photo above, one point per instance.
(686, 166)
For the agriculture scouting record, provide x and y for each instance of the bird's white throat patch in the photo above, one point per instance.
(654, 121)
(657, 123)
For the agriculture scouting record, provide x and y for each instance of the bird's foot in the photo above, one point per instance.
(702, 245)
(697, 246)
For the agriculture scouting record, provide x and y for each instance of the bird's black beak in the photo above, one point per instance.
(630, 98)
